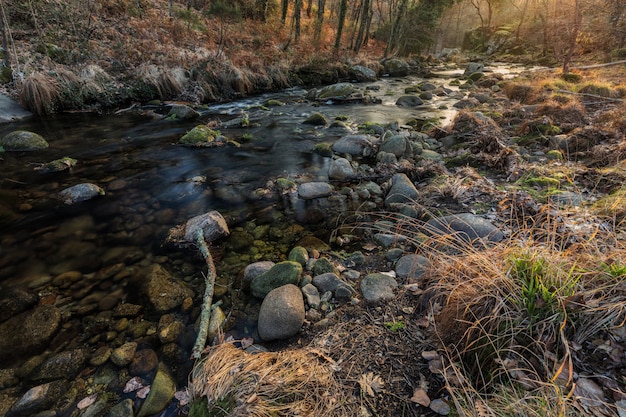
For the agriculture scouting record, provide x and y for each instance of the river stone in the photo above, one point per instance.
(39, 398)
(282, 273)
(473, 67)
(183, 112)
(411, 266)
(28, 333)
(80, 192)
(100, 356)
(396, 67)
(312, 295)
(340, 169)
(327, 282)
(171, 332)
(63, 365)
(299, 254)
(377, 287)
(322, 266)
(124, 354)
(313, 243)
(200, 136)
(161, 393)
(396, 144)
(163, 291)
(402, 190)
(14, 301)
(363, 74)
(467, 103)
(122, 409)
(409, 101)
(212, 224)
(466, 227)
(339, 90)
(311, 190)
(316, 119)
(282, 313)
(143, 363)
(356, 145)
(22, 140)
(10, 110)
(254, 270)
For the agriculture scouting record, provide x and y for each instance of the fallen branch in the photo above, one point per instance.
(608, 64)
(198, 231)
(591, 95)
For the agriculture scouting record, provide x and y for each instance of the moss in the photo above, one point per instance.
(199, 136)
(555, 155)
(285, 185)
(571, 77)
(323, 149)
(412, 90)
(273, 103)
(6, 75)
(316, 119)
(542, 182)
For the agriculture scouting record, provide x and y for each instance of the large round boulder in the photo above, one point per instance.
(283, 273)
(282, 313)
(22, 140)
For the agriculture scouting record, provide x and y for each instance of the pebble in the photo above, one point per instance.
(100, 356)
(124, 354)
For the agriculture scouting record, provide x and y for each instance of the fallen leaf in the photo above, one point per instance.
(420, 397)
(440, 407)
(621, 408)
(588, 393)
(133, 385)
(371, 384)
(422, 322)
(143, 392)
(435, 366)
(182, 396)
(87, 401)
(246, 342)
(369, 246)
(429, 355)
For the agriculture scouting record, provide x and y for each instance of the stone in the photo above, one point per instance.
(282, 313)
(122, 409)
(14, 300)
(199, 136)
(322, 266)
(312, 295)
(171, 332)
(465, 227)
(58, 165)
(344, 292)
(161, 393)
(182, 112)
(212, 224)
(28, 333)
(363, 74)
(409, 101)
(163, 291)
(440, 407)
(22, 140)
(124, 354)
(282, 273)
(312, 243)
(299, 254)
(394, 254)
(402, 190)
(100, 356)
(340, 169)
(216, 322)
(378, 287)
(80, 192)
(63, 365)
(396, 67)
(39, 398)
(473, 67)
(143, 363)
(316, 119)
(397, 145)
(411, 266)
(10, 110)
(356, 145)
(326, 282)
(254, 270)
(466, 103)
(96, 409)
(311, 190)
(336, 91)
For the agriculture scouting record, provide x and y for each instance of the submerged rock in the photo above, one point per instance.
(39, 398)
(57, 165)
(161, 393)
(163, 291)
(183, 112)
(80, 192)
(28, 333)
(199, 136)
(22, 140)
(282, 313)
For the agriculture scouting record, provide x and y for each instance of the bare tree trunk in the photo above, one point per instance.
(284, 6)
(297, 9)
(366, 17)
(573, 35)
(5, 44)
(309, 9)
(319, 21)
(343, 9)
(395, 28)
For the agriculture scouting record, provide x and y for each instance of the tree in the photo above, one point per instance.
(5, 44)
(284, 8)
(395, 28)
(297, 9)
(319, 20)
(365, 17)
(343, 10)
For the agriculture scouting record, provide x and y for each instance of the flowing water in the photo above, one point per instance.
(153, 184)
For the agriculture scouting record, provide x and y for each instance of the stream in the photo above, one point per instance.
(86, 259)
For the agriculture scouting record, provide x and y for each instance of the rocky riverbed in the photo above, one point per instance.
(100, 313)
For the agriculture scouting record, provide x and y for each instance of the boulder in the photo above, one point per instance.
(397, 145)
(63, 365)
(28, 333)
(465, 227)
(378, 287)
(22, 140)
(39, 398)
(473, 67)
(182, 112)
(402, 190)
(281, 274)
(336, 91)
(282, 313)
(356, 145)
(409, 101)
(363, 74)
(411, 266)
(162, 291)
(311, 190)
(396, 67)
(161, 393)
(200, 136)
(80, 192)
(340, 169)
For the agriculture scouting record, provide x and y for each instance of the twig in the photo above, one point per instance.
(205, 314)
(591, 95)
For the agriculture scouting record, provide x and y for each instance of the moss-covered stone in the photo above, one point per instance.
(284, 185)
(22, 140)
(316, 119)
(6, 75)
(283, 273)
(200, 135)
(323, 149)
(555, 155)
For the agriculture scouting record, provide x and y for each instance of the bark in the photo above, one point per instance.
(5, 43)
(343, 9)
(573, 35)
(395, 29)
(284, 5)
(319, 21)
(297, 11)
(366, 18)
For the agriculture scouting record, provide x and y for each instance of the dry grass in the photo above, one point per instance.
(264, 384)
(39, 93)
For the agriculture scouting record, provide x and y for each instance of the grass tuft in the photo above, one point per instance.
(39, 93)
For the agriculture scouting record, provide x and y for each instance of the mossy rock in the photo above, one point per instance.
(339, 90)
(22, 140)
(475, 76)
(273, 103)
(414, 89)
(285, 185)
(200, 135)
(555, 155)
(6, 75)
(323, 149)
(316, 119)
